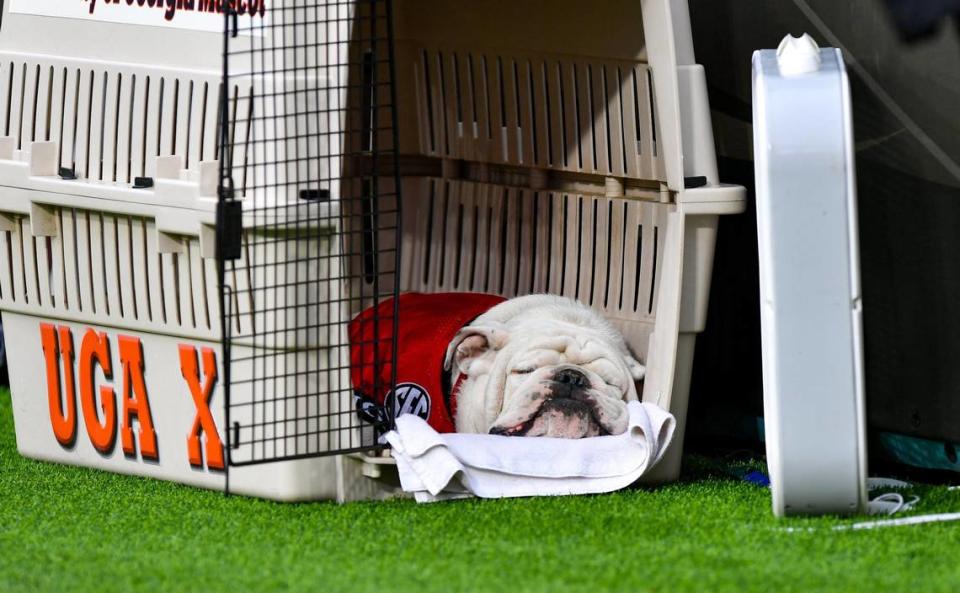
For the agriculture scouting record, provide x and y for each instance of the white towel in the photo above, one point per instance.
(436, 466)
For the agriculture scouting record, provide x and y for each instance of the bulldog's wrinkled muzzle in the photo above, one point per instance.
(567, 408)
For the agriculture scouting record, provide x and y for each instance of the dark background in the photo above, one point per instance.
(906, 101)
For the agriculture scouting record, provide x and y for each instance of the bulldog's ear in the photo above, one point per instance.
(637, 370)
(473, 347)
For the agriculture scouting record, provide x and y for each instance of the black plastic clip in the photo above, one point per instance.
(696, 181)
(229, 229)
(315, 195)
(68, 174)
(142, 182)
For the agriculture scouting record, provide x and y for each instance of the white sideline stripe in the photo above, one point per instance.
(916, 520)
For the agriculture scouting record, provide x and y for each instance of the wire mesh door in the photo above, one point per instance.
(308, 223)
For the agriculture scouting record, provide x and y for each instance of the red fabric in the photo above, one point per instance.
(428, 323)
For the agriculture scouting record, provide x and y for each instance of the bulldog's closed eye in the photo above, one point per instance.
(521, 371)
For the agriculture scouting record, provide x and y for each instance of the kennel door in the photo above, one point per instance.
(308, 222)
(809, 280)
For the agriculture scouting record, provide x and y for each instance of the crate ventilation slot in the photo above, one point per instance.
(466, 236)
(109, 124)
(571, 115)
(108, 267)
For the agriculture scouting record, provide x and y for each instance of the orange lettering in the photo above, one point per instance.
(203, 421)
(135, 402)
(95, 349)
(63, 418)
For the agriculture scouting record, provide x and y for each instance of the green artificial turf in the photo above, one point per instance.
(73, 529)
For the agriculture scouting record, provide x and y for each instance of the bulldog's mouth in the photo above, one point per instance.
(564, 417)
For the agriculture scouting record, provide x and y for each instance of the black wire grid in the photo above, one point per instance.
(308, 222)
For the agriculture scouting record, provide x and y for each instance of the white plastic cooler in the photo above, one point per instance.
(811, 309)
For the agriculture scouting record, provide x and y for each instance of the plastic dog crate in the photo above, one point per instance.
(190, 218)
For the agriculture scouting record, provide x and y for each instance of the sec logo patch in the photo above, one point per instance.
(409, 398)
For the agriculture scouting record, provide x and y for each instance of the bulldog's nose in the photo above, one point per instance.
(572, 377)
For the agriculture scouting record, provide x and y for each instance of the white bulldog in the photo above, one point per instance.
(542, 365)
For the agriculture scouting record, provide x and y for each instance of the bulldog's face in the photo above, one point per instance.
(566, 376)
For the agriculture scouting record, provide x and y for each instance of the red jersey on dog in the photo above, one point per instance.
(428, 323)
